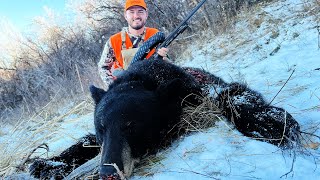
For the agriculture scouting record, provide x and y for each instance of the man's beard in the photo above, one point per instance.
(137, 27)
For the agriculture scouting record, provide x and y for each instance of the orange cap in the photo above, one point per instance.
(130, 3)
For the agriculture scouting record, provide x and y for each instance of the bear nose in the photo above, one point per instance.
(110, 177)
(108, 173)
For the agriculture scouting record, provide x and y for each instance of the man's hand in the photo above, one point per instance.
(163, 52)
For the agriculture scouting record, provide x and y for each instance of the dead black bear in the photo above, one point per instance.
(133, 117)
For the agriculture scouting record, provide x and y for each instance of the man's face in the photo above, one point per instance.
(136, 17)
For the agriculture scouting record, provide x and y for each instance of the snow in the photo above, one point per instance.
(221, 153)
(260, 55)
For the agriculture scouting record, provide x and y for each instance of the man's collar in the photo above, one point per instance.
(126, 29)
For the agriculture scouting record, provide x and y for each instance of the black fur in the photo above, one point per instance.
(138, 110)
(59, 166)
(153, 73)
(255, 118)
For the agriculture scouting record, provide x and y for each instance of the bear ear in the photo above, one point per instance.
(170, 90)
(96, 93)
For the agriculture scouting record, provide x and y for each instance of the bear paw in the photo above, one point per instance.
(46, 169)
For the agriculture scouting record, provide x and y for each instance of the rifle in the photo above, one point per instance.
(160, 37)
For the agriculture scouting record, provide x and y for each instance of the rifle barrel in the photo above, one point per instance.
(178, 30)
(193, 11)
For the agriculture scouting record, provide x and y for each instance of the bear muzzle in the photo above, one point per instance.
(108, 172)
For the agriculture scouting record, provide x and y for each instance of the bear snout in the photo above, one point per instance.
(108, 172)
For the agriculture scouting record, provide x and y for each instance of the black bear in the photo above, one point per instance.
(134, 116)
(131, 119)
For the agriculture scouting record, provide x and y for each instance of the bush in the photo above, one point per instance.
(60, 63)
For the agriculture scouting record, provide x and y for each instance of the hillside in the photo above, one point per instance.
(274, 48)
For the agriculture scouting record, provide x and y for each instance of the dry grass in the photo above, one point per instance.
(309, 137)
(30, 134)
(199, 118)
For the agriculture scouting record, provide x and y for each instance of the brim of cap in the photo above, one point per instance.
(136, 5)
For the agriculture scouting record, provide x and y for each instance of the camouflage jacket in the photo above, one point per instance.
(106, 64)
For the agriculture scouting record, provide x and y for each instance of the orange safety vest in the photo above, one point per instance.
(116, 44)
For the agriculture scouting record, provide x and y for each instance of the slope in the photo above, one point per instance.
(265, 47)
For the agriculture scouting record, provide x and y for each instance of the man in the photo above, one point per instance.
(121, 47)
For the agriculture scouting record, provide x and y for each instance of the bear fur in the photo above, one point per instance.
(133, 117)
(255, 118)
(60, 166)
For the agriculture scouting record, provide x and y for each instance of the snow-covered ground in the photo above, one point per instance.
(264, 48)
